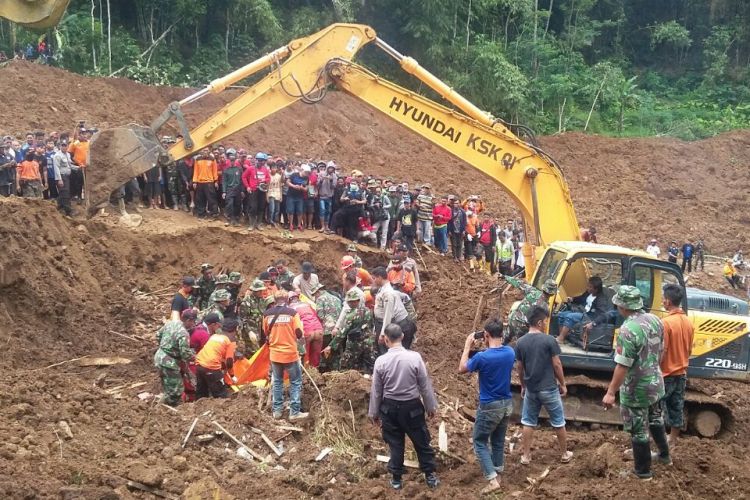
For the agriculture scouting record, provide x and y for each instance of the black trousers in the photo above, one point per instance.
(457, 245)
(406, 418)
(63, 198)
(489, 256)
(210, 383)
(233, 203)
(76, 183)
(687, 263)
(408, 326)
(205, 195)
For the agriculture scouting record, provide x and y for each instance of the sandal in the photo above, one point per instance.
(566, 457)
(525, 460)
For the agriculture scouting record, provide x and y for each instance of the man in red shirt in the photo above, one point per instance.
(256, 179)
(441, 216)
(282, 326)
(678, 342)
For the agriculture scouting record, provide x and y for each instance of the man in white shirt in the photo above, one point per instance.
(653, 249)
(305, 282)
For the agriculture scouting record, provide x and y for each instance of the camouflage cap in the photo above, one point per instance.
(317, 287)
(549, 287)
(206, 266)
(351, 247)
(352, 295)
(628, 297)
(258, 286)
(222, 279)
(235, 278)
(220, 295)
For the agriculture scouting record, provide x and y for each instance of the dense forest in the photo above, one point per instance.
(620, 67)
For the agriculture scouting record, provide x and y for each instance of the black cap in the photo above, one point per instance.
(229, 325)
(211, 318)
(403, 248)
(188, 281)
(264, 276)
(307, 267)
(189, 314)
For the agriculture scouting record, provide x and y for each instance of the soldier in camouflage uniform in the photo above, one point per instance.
(638, 377)
(178, 187)
(351, 250)
(356, 331)
(285, 276)
(251, 311)
(207, 284)
(171, 357)
(234, 283)
(328, 307)
(218, 303)
(518, 325)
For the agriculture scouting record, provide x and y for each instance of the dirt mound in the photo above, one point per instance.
(657, 187)
(71, 288)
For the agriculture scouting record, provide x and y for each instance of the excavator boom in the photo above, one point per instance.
(303, 70)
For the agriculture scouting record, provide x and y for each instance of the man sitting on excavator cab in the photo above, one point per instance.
(588, 309)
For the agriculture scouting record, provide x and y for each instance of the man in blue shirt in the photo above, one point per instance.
(494, 366)
(687, 256)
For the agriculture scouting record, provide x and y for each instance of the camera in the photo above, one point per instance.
(479, 335)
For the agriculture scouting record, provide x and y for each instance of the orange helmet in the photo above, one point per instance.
(347, 261)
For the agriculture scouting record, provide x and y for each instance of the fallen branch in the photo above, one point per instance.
(266, 440)
(324, 453)
(127, 336)
(148, 489)
(170, 408)
(290, 428)
(320, 395)
(189, 432)
(239, 443)
(152, 47)
(419, 254)
(104, 361)
(354, 422)
(61, 363)
(535, 482)
(453, 456)
(407, 463)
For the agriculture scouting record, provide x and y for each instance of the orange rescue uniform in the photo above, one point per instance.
(205, 171)
(216, 351)
(403, 278)
(678, 342)
(28, 170)
(79, 152)
(282, 335)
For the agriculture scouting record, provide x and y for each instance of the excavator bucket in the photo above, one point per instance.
(117, 155)
(37, 14)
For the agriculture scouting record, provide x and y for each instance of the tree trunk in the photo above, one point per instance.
(560, 113)
(93, 31)
(549, 16)
(622, 116)
(226, 37)
(468, 20)
(593, 104)
(507, 22)
(109, 35)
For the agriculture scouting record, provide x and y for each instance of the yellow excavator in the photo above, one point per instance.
(305, 70)
(37, 14)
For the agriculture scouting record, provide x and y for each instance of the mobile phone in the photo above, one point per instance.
(479, 335)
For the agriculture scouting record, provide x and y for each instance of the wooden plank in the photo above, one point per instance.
(189, 432)
(239, 443)
(266, 440)
(104, 361)
(290, 428)
(407, 463)
(323, 453)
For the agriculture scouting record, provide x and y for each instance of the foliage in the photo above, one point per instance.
(627, 67)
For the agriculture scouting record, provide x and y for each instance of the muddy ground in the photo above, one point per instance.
(71, 288)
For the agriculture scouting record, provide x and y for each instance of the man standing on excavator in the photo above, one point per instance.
(638, 378)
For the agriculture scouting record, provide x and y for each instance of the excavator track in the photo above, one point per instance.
(706, 416)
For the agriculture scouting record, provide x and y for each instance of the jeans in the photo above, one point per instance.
(489, 428)
(552, 402)
(294, 206)
(274, 207)
(424, 231)
(569, 318)
(325, 210)
(294, 371)
(380, 228)
(441, 239)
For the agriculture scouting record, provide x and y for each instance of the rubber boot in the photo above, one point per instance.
(642, 460)
(251, 219)
(472, 263)
(121, 206)
(660, 438)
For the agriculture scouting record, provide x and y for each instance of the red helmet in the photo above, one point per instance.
(347, 261)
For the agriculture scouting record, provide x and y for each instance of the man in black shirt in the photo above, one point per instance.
(184, 297)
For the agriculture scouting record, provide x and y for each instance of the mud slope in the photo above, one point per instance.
(631, 189)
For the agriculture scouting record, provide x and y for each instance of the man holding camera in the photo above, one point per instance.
(494, 366)
(542, 383)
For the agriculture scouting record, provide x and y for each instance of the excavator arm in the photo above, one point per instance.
(305, 69)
